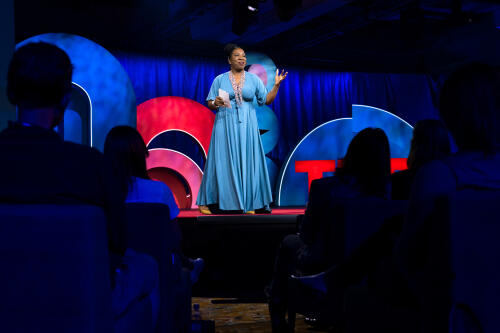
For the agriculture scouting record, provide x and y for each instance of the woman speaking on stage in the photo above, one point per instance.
(235, 176)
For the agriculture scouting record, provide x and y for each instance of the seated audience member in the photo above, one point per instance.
(126, 151)
(470, 108)
(365, 172)
(39, 167)
(430, 142)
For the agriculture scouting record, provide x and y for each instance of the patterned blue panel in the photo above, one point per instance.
(398, 131)
(269, 127)
(255, 58)
(104, 79)
(72, 126)
(272, 169)
(328, 141)
(180, 142)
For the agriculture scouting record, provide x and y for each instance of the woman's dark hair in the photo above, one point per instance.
(229, 48)
(127, 152)
(368, 160)
(470, 107)
(39, 75)
(430, 142)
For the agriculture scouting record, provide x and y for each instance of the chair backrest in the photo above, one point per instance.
(354, 221)
(474, 230)
(149, 230)
(55, 270)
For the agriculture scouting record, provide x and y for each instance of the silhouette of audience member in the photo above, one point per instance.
(470, 108)
(365, 172)
(126, 151)
(430, 142)
(39, 167)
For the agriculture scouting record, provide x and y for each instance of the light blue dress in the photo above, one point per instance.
(235, 174)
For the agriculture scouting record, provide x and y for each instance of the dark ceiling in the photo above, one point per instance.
(357, 35)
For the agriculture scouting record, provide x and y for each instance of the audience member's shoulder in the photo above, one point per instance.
(81, 151)
(162, 186)
(433, 178)
(155, 185)
(435, 168)
(159, 184)
(403, 174)
(325, 181)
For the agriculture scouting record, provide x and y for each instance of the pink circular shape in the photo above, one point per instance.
(165, 158)
(166, 113)
(260, 71)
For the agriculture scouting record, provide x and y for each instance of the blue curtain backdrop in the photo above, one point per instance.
(306, 99)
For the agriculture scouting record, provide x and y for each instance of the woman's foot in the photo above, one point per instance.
(204, 210)
(264, 210)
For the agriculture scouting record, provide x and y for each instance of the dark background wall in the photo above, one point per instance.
(386, 36)
(7, 112)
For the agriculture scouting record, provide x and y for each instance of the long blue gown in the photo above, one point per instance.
(235, 174)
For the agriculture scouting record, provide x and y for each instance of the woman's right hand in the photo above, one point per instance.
(218, 101)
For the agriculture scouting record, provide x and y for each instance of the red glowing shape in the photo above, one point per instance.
(164, 158)
(175, 113)
(398, 164)
(314, 169)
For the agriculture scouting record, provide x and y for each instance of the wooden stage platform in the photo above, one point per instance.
(239, 250)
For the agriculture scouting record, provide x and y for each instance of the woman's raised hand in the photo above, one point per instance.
(279, 77)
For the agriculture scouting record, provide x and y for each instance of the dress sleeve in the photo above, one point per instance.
(214, 89)
(260, 91)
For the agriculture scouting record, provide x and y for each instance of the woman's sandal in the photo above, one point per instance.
(204, 210)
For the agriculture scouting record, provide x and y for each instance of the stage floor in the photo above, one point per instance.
(189, 213)
(239, 250)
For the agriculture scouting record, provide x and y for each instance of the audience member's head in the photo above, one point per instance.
(39, 83)
(470, 107)
(127, 152)
(368, 160)
(430, 142)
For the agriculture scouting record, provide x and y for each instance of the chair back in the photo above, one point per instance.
(354, 221)
(149, 230)
(474, 231)
(55, 269)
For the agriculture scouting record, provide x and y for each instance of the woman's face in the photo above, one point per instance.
(238, 59)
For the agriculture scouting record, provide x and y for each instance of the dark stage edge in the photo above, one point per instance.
(288, 211)
(239, 250)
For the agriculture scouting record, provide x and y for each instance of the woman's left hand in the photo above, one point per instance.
(279, 77)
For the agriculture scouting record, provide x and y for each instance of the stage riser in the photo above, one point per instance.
(239, 251)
